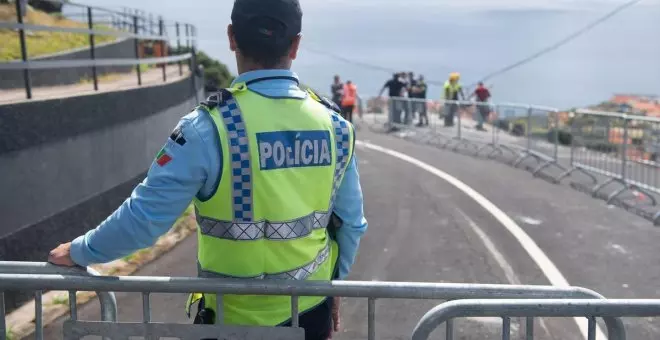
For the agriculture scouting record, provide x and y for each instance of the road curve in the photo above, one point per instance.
(424, 229)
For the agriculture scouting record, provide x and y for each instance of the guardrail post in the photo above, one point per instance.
(187, 36)
(573, 119)
(556, 135)
(178, 47)
(528, 129)
(3, 323)
(24, 56)
(161, 31)
(151, 24)
(371, 319)
(92, 54)
(458, 113)
(624, 149)
(137, 49)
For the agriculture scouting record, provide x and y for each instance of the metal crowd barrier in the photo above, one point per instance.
(608, 148)
(32, 269)
(623, 148)
(506, 309)
(371, 290)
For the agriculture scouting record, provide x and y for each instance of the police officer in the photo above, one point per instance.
(267, 166)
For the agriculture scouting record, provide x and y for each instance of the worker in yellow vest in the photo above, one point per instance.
(452, 91)
(267, 166)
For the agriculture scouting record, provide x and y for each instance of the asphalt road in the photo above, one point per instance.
(424, 229)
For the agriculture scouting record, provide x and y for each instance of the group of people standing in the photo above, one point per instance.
(410, 98)
(345, 96)
(404, 85)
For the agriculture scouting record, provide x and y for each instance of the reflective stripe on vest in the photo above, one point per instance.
(293, 229)
(300, 273)
(243, 227)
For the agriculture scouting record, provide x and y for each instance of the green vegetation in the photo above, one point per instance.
(42, 43)
(60, 300)
(216, 73)
(136, 255)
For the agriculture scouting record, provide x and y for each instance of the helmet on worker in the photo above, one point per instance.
(454, 76)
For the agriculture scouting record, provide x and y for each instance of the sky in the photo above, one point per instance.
(485, 35)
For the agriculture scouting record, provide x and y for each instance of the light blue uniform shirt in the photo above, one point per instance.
(163, 196)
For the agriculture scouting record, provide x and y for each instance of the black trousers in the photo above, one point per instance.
(317, 322)
(420, 107)
(347, 112)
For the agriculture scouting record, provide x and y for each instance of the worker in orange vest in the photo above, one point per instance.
(349, 100)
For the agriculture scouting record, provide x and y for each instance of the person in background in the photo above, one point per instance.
(395, 88)
(420, 93)
(403, 102)
(482, 95)
(453, 92)
(349, 100)
(337, 90)
(411, 82)
(261, 215)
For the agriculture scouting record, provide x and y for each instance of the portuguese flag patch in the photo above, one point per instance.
(163, 158)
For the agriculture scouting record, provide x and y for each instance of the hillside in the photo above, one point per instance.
(41, 43)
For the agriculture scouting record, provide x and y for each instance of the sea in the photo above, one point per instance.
(366, 40)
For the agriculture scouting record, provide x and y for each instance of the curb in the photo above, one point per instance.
(55, 304)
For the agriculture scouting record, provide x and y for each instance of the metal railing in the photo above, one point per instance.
(506, 309)
(615, 151)
(129, 24)
(371, 290)
(31, 269)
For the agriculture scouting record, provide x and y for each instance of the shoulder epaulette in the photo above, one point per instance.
(216, 99)
(325, 101)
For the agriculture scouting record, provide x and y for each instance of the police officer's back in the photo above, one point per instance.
(267, 166)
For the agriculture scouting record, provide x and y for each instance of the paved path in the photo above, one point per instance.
(116, 82)
(424, 229)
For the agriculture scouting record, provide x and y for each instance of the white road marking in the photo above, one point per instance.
(510, 274)
(529, 220)
(490, 246)
(544, 263)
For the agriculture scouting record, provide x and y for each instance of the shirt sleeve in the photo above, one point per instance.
(349, 208)
(174, 178)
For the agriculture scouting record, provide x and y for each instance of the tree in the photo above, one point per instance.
(216, 74)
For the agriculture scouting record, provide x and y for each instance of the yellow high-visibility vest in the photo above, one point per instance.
(283, 161)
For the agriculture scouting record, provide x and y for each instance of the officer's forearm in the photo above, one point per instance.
(127, 230)
(348, 239)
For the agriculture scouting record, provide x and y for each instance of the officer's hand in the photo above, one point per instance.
(336, 320)
(61, 255)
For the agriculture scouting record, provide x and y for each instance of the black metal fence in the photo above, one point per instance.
(165, 38)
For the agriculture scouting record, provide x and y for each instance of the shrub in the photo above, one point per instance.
(518, 129)
(564, 137)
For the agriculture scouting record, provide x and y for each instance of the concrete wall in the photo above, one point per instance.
(66, 164)
(11, 79)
